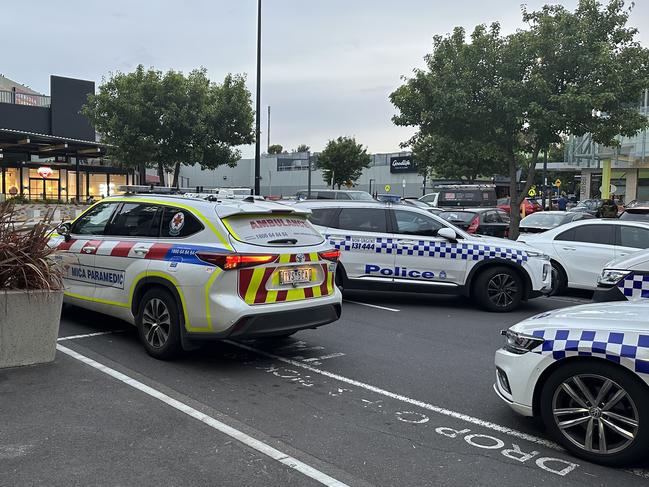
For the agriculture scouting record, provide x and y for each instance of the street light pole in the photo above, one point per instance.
(308, 191)
(258, 105)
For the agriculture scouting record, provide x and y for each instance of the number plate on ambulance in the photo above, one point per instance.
(294, 276)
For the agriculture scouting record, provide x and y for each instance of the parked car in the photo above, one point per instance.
(585, 372)
(546, 220)
(600, 208)
(530, 205)
(417, 203)
(430, 199)
(334, 194)
(638, 212)
(624, 279)
(579, 250)
(483, 221)
(462, 196)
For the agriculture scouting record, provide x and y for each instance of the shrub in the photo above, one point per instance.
(25, 257)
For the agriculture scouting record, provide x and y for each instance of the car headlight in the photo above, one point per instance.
(539, 255)
(611, 276)
(520, 343)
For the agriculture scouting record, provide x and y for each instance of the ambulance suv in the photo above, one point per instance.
(393, 246)
(184, 269)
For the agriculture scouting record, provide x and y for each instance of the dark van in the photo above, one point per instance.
(466, 195)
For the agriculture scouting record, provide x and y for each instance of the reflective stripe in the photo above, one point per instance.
(255, 282)
(208, 286)
(96, 300)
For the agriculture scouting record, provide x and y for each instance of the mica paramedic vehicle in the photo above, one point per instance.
(184, 269)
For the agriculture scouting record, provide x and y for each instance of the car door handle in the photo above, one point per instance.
(140, 250)
(568, 248)
(407, 242)
(622, 254)
(89, 250)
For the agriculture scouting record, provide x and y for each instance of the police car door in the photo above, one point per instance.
(362, 236)
(125, 250)
(85, 235)
(422, 256)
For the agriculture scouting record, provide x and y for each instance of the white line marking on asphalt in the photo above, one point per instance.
(88, 335)
(371, 305)
(324, 357)
(408, 400)
(240, 436)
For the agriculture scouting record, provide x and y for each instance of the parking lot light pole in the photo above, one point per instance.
(258, 105)
(308, 188)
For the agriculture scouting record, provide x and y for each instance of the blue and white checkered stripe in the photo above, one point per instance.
(628, 349)
(635, 286)
(444, 250)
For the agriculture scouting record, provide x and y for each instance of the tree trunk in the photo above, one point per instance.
(516, 199)
(161, 174)
(142, 174)
(176, 183)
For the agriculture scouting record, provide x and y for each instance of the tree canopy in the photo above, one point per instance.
(505, 99)
(275, 149)
(170, 119)
(343, 160)
(303, 148)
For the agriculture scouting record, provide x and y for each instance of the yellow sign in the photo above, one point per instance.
(532, 191)
(387, 188)
(557, 183)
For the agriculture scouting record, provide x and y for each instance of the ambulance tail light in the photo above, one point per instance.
(236, 261)
(473, 226)
(332, 255)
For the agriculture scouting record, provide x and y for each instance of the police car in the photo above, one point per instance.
(388, 245)
(184, 269)
(624, 279)
(585, 371)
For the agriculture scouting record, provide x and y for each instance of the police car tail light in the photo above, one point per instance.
(473, 226)
(332, 255)
(236, 261)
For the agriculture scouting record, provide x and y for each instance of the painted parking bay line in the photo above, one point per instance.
(399, 397)
(234, 433)
(88, 335)
(372, 305)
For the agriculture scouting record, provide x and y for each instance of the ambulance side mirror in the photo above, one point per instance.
(64, 229)
(447, 233)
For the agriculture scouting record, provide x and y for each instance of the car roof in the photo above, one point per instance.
(593, 221)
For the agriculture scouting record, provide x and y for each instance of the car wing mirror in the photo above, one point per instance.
(64, 229)
(448, 234)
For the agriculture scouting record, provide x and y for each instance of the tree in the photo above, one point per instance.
(343, 160)
(303, 148)
(170, 119)
(275, 149)
(519, 94)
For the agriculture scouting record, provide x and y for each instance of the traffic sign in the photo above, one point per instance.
(557, 183)
(532, 191)
(387, 188)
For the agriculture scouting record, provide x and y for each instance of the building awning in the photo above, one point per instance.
(43, 145)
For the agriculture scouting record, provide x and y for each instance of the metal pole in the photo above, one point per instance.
(308, 189)
(268, 131)
(545, 177)
(258, 105)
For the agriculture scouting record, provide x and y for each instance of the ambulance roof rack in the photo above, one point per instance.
(151, 189)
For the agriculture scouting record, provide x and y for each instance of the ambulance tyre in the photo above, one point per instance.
(498, 289)
(158, 324)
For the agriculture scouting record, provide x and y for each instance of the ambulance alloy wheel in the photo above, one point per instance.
(158, 324)
(498, 289)
(598, 411)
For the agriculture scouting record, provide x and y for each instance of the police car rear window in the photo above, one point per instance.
(270, 229)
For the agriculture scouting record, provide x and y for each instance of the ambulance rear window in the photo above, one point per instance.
(272, 230)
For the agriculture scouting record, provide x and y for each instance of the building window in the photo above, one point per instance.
(12, 181)
(643, 185)
(292, 164)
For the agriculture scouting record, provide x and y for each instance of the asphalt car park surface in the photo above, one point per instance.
(397, 392)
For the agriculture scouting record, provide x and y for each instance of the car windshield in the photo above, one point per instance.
(636, 214)
(458, 216)
(544, 220)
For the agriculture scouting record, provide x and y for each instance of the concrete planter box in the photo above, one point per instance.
(29, 326)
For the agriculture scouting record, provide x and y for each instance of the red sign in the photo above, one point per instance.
(44, 171)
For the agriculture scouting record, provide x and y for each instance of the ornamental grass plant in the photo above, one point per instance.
(25, 256)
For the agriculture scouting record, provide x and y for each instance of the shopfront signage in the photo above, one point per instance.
(402, 164)
(44, 172)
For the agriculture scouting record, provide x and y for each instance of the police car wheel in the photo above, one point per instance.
(598, 412)
(498, 289)
(158, 324)
(559, 279)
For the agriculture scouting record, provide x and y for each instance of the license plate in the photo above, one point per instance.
(294, 276)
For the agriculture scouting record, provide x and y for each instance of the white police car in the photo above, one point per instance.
(396, 246)
(185, 269)
(585, 371)
(624, 279)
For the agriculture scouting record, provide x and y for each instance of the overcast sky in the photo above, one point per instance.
(328, 65)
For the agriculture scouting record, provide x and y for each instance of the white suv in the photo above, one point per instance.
(185, 269)
(396, 246)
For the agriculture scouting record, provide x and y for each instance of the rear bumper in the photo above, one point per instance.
(604, 294)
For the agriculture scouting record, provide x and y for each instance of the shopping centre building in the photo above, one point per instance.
(48, 150)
